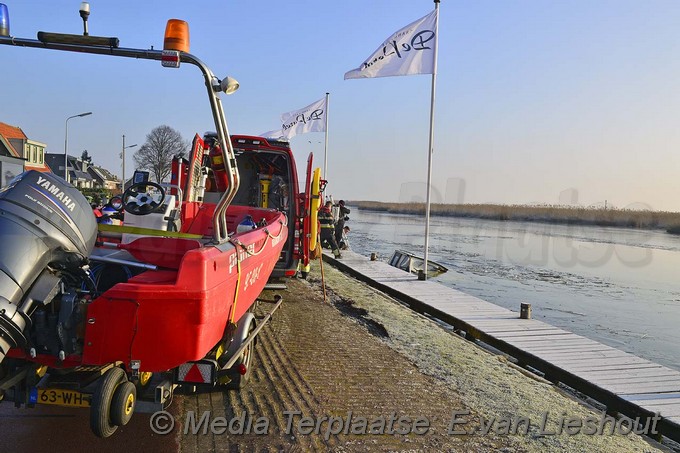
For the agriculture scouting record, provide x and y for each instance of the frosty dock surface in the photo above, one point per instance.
(623, 382)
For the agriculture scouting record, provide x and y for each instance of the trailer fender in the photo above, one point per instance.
(243, 327)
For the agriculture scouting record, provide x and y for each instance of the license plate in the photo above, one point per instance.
(61, 397)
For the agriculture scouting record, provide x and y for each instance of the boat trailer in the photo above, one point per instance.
(30, 385)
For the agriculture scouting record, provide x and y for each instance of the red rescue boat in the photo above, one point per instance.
(92, 314)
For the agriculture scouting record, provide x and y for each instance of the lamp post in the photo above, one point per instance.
(122, 155)
(66, 143)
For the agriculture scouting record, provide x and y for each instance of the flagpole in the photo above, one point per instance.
(430, 148)
(325, 152)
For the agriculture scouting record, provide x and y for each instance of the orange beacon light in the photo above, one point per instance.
(176, 36)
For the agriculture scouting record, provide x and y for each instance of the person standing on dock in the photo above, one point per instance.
(327, 230)
(343, 212)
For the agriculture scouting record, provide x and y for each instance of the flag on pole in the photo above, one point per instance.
(308, 119)
(410, 50)
(277, 134)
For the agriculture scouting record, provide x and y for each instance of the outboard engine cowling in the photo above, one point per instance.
(46, 228)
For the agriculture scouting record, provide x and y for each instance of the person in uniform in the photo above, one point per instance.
(327, 229)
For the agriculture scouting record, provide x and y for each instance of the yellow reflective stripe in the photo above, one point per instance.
(146, 231)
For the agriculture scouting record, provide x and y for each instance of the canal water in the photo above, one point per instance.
(615, 285)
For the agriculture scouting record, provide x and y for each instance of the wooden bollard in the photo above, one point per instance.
(525, 311)
(374, 256)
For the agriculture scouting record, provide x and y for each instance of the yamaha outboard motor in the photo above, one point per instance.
(47, 232)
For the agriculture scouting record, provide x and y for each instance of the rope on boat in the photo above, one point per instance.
(238, 286)
(238, 244)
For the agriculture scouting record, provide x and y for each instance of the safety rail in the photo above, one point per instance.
(213, 85)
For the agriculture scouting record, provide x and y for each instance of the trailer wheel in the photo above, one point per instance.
(123, 403)
(239, 381)
(100, 412)
(144, 379)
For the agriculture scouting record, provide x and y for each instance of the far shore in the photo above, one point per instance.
(569, 215)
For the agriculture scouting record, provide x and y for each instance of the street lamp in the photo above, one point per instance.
(122, 155)
(66, 143)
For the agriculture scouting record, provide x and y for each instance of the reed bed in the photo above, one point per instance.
(572, 215)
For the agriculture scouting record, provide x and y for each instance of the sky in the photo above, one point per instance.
(557, 102)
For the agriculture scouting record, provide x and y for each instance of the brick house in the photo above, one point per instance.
(15, 143)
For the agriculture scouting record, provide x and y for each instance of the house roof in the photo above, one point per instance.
(75, 175)
(38, 167)
(55, 160)
(103, 173)
(11, 132)
(8, 146)
(95, 172)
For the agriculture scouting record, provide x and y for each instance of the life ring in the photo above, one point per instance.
(314, 205)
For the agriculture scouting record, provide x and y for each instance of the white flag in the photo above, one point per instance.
(410, 50)
(272, 134)
(309, 119)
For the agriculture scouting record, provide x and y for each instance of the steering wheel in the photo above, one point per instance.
(143, 198)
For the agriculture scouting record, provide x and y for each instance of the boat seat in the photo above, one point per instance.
(163, 252)
(164, 249)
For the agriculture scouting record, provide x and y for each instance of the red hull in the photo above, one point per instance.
(163, 318)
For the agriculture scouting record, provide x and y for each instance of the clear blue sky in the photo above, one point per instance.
(533, 97)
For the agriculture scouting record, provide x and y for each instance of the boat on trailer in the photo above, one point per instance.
(115, 317)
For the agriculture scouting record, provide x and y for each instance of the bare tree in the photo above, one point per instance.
(155, 155)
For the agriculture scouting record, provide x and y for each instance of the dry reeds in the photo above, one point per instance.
(572, 215)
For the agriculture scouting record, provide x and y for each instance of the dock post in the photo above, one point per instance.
(421, 274)
(525, 311)
(374, 256)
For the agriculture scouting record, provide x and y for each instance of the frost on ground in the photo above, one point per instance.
(486, 383)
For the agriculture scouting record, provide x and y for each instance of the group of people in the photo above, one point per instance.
(334, 232)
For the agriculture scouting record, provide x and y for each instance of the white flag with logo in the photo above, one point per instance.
(410, 50)
(272, 134)
(308, 119)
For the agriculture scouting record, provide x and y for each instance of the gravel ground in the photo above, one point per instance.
(314, 360)
(365, 354)
(483, 382)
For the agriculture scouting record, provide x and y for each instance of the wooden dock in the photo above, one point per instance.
(625, 383)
